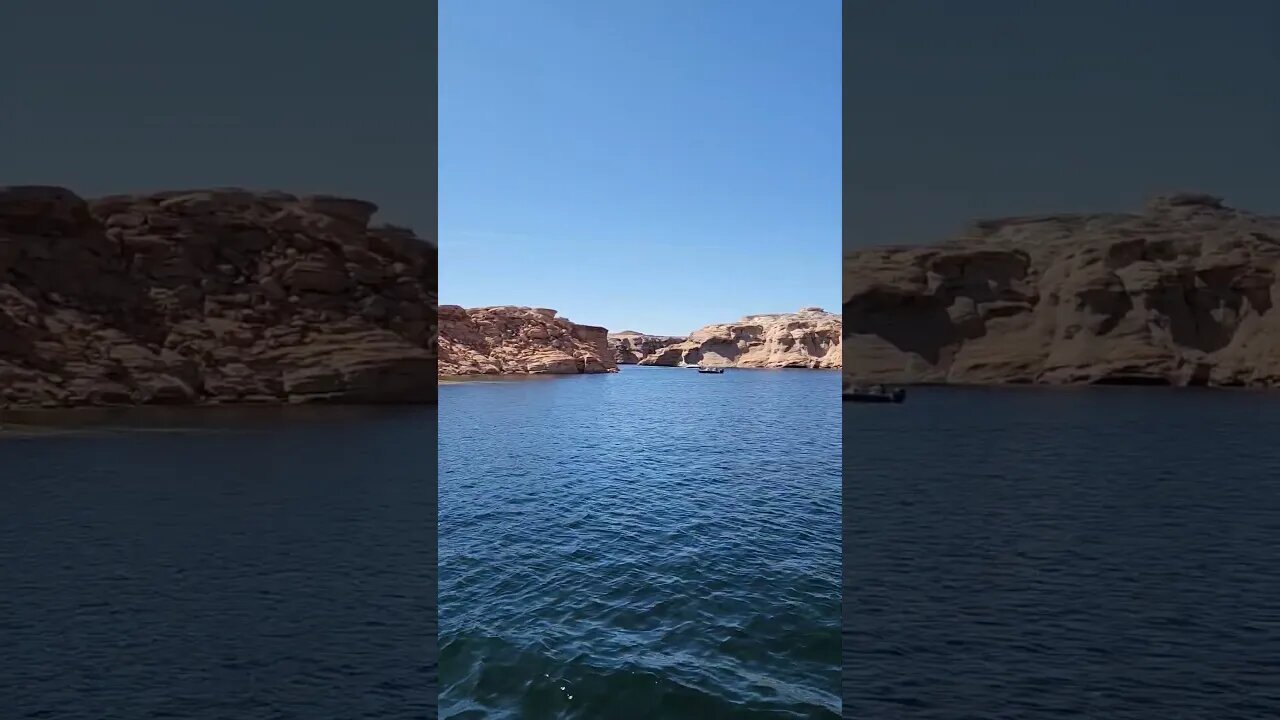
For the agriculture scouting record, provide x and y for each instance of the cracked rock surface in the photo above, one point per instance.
(809, 338)
(630, 347)
(210, 296)
(510, 340)
(1181, 293)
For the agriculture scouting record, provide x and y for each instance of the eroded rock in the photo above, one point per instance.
(512, 340)
(630, 347)
(209, 296)
(809, 338)
(1180, 294)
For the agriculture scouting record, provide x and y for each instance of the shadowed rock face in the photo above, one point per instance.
(806, 339)
(210, 296)
(629, 346)
(512, 340)
(1180, 294)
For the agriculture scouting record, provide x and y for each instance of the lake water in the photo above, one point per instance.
(205, 564)
(1104, 553)
(658, 543)
(649, 544)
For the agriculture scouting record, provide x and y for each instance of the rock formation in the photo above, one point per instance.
(809, 338)
(210, 296)
(1180, 294)
(511, 340)
(629, 346)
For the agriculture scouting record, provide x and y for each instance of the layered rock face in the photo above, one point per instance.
(629, 346)
(809, 338)
(1179, 294)
(512, 340)
(210, 296)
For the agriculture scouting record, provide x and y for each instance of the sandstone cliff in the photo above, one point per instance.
(210, 296)
(629, 346)
(806, 339)
(519, 340)
(1181, 293)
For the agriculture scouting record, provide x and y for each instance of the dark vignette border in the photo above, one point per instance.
(93, 688)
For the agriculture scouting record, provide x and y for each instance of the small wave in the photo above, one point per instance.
(489, 677)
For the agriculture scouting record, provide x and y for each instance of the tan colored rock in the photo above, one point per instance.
(511, 340)
(316, 273)
(357, 212)
(209, 296)
(1179, 294)
(366, 365)
(41, 210)
(555, 362)
(629, 346)
(809, 338)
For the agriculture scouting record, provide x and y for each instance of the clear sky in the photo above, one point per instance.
(957, 110)
(650, 165)
(139, 95)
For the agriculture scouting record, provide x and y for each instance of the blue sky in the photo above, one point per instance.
(651, 166)
(141, 95)
(958, 110)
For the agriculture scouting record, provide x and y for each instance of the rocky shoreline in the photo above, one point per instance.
(205, 297)
(810, 338)
(511, 340)
(630, 347)
(1179, 294)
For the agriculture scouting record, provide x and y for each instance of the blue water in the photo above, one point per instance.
(263, 565)
(650, 544)
(1089, 553)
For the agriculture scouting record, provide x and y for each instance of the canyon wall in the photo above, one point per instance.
(1181, 293)
(510, 340)
(210, 296)
(809, 338)
(630, 347)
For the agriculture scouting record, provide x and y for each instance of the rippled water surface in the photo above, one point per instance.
(1109, 553)
(211, 565)
(655, 544)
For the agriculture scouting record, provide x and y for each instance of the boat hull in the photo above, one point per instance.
(895, 397)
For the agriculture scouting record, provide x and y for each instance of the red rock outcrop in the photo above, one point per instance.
(809, 338)
(210, 296)
(509, 340)
(1179, 294)
(629, 346)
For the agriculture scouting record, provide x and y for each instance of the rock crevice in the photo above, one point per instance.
(510, 340)
(210, 296)
(1179, 294)
(630, 347)
(809, 338)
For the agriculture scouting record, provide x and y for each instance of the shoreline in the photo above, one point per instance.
(515, 377)
(97, 419)
(1074, 386)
